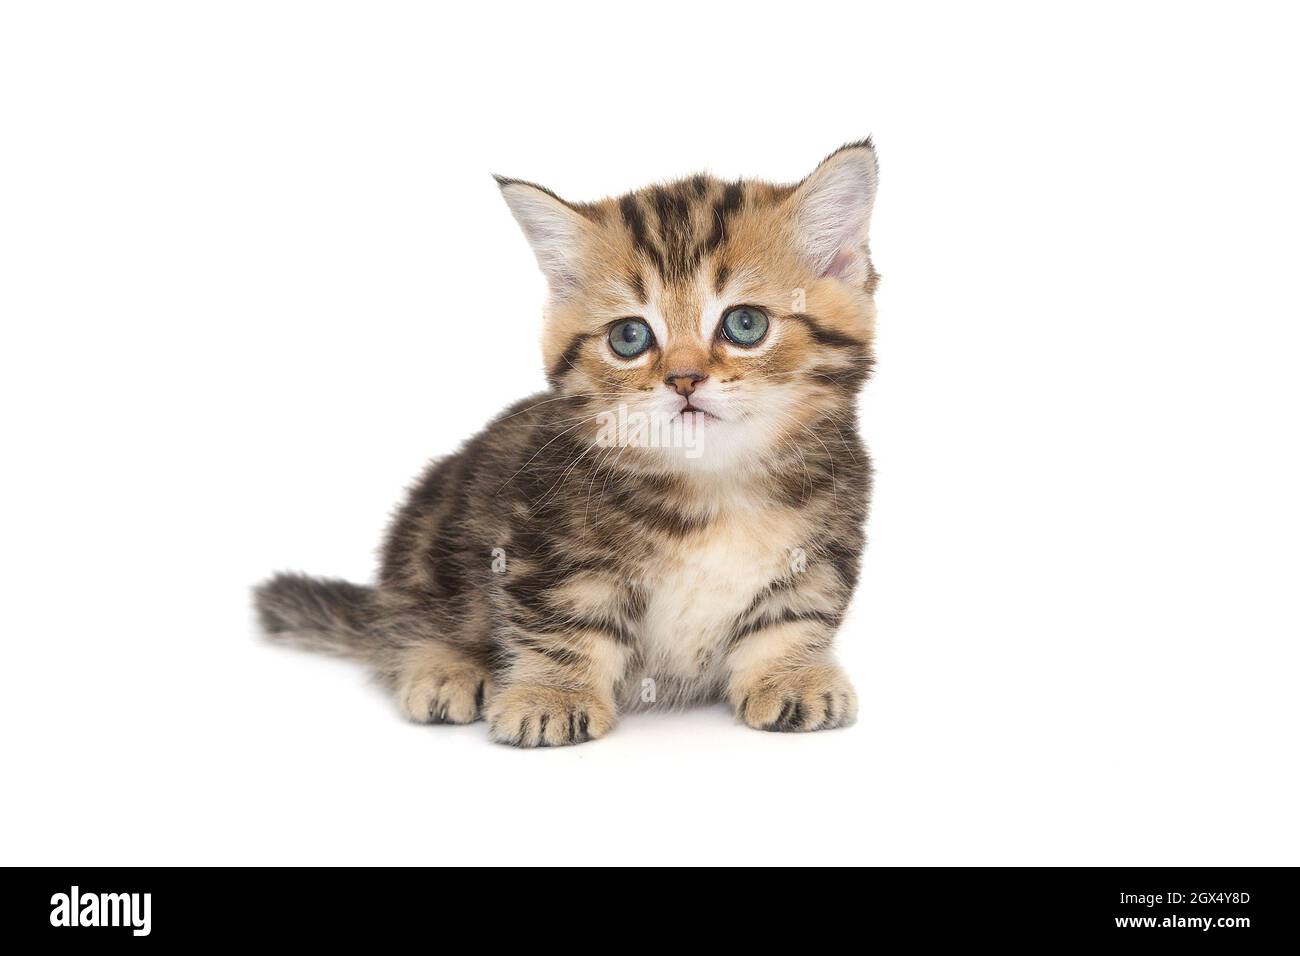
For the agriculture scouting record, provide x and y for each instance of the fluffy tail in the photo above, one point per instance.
(324, 615)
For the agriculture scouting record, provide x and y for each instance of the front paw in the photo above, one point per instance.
(533, 715)
(816, 697)
(439, 685)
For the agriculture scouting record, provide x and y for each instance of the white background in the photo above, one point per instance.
(253, 272)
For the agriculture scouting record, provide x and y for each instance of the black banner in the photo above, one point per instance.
(1225, 908)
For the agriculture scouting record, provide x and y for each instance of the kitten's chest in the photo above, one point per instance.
(696, 592)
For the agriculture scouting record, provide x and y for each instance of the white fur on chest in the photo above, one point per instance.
(697, 590)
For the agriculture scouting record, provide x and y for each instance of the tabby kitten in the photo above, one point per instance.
(679, 519)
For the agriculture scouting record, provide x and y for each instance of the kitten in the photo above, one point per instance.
(679, 519)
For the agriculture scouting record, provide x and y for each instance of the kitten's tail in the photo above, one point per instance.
(324, 615)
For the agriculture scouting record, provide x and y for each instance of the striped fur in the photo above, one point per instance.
(546, 579)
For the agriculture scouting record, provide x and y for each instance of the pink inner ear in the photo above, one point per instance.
(841, 265)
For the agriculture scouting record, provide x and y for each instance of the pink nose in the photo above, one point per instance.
(683, 383)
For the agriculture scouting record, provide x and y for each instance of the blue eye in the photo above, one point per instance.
(745, 325)
(630, 338)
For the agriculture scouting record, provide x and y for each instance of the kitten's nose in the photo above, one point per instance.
(683, 383)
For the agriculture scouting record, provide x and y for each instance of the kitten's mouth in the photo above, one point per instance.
(689, 409)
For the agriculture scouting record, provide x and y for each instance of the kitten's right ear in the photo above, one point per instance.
(554, 229)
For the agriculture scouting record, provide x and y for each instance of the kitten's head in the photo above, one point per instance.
(717, 321)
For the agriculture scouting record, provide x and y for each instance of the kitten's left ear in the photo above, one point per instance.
(831, 211)
(554, 229)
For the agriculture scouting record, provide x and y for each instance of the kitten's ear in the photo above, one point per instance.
(832, 211)
(553, 228)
